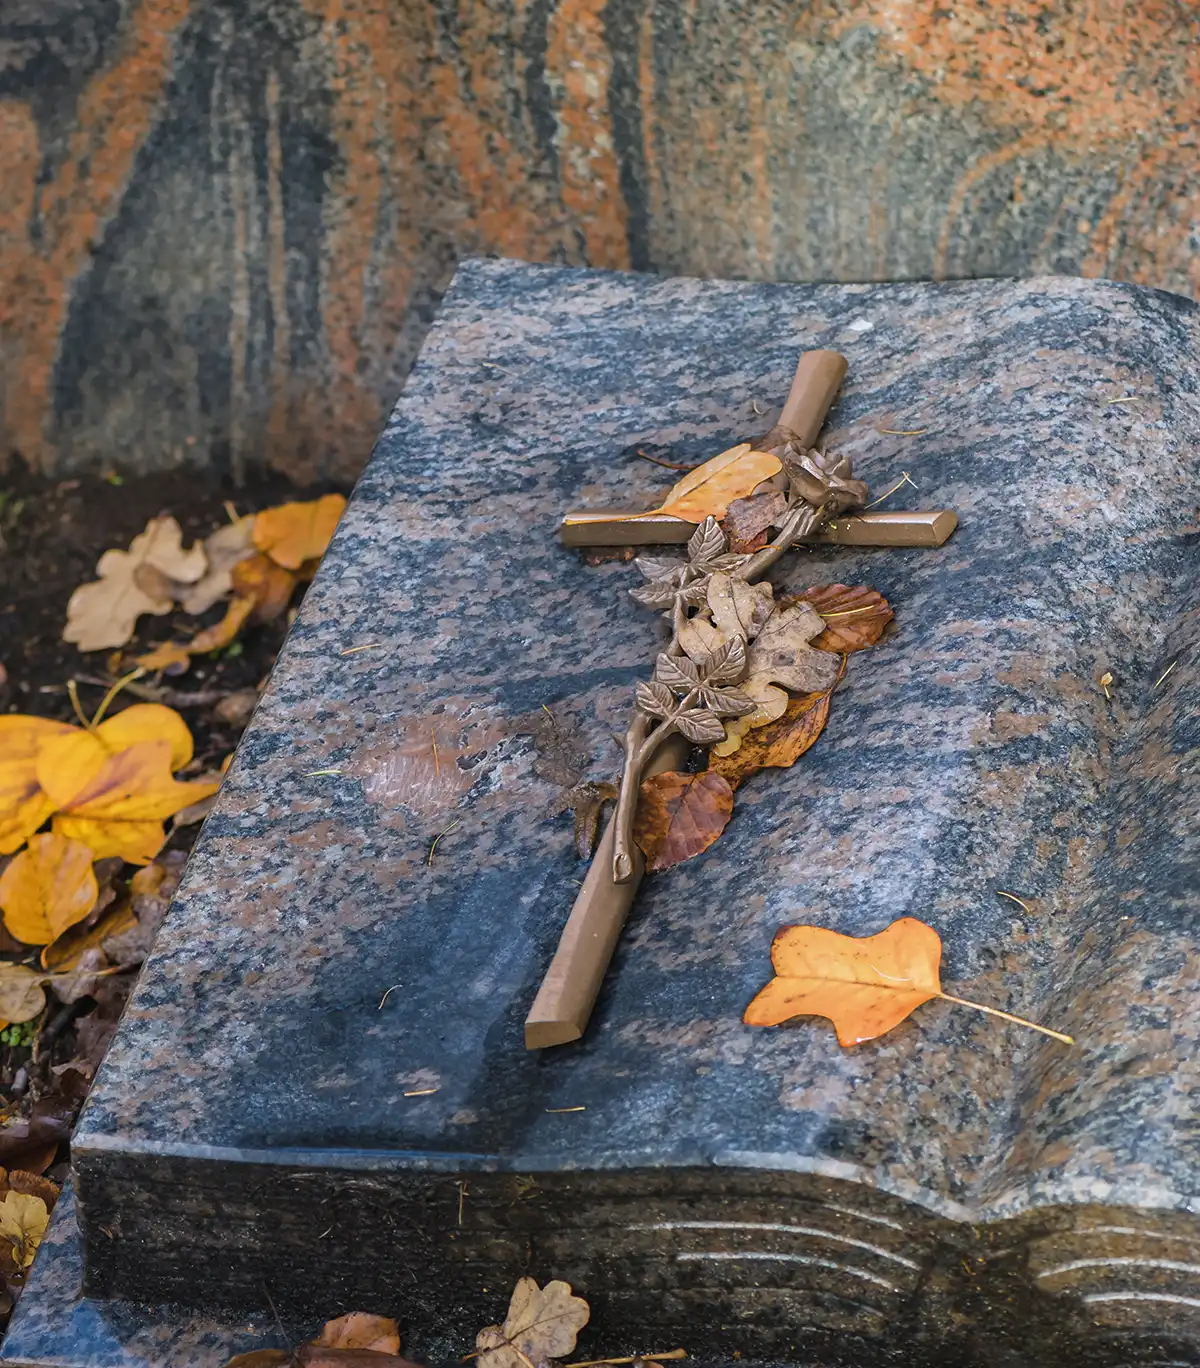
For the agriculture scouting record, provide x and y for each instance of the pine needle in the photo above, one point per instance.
(669, 465)
(903, 432)
(904, 479)
(1012, 897)
(437, 838)
(1165, 673)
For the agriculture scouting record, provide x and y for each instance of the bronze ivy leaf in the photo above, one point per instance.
(676, 672)
(700, 726)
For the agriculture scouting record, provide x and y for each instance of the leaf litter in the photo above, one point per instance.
(85, 873)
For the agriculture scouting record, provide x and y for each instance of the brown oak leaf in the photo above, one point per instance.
(541, 1325)
(680, 815)
(854, 616)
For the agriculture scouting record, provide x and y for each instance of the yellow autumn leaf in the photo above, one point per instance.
(293, 533)
(135, 785)
(23, 1222)
(707, 491)
(49, 886)
(23, 804)
(136, 842)
(66, 765)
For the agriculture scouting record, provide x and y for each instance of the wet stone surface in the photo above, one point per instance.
(988, 1195)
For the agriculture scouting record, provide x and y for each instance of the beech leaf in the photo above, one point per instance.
(542, 1324)
(864, 985)
(777, 745)
(24, 805)
(708, 490)
(854, 616)
(104, 613)
(680, 815)
(46, 888)
(294, 533)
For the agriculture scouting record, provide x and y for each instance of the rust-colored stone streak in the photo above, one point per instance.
(224, 229)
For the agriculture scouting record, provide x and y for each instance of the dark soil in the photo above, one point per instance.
(52, 533)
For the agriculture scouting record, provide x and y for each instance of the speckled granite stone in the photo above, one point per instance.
(958, 1192)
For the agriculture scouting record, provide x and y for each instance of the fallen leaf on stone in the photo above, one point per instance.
(359, 1330)
(865, 985)
(854, 616)
(293, 533)
(24, 806)
(680, 815)
(21, 994)
(49, 886)
(542, 1324)
(94, 1032)
(777, 745)
(709, 489)
(222, 550)
(104, 613)
(747, 521)
(23, 1221)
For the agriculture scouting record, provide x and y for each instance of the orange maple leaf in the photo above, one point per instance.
(865, 985)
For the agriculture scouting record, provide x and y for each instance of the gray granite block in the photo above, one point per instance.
(959, 1191)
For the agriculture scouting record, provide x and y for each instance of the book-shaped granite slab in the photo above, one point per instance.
(320, 1090)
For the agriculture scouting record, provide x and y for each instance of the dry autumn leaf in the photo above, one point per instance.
(268, 586)
(23, 1221)
(865, 985)
(360, 1330)
(747, 521)
(680, 815)
(777, 745)
(104, 613)
(854, 617)
(118, 805)
(294, 533)
(222, 550)
(67, 953)
(46, 888)
(24, 806)
(541, 1324)
(709, 489)
(21, 994)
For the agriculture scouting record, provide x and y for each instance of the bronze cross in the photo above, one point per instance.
(701, 676)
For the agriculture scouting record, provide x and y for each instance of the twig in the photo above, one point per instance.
(421, 1092)
(312, 774)
(388, 994)
(903, 432)
(633, 1358)
(1165, 673)
(354, 650)
(462, 1195)
(1128, 399)
(554, 1111)
(669, 465)
(173, 698)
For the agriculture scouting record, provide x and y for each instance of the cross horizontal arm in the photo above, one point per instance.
(618, 527)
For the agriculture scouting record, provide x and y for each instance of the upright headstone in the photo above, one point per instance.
(320, 1095)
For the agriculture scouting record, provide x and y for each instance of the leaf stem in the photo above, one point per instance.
(133, 674)
(1008, 1016)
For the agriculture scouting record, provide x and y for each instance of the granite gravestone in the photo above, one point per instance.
(320, 1094)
